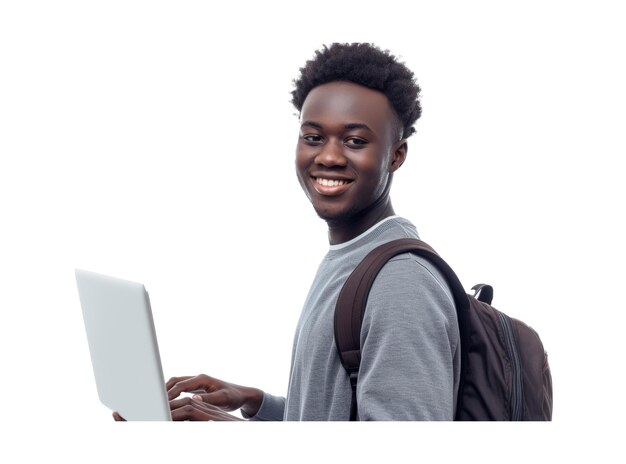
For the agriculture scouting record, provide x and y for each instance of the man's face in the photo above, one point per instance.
(348, 147)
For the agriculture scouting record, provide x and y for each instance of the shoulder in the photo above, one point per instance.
(410, 287)
(409, 273)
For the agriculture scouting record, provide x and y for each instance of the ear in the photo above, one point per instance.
(398, 155)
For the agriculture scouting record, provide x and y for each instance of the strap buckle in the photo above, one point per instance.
(354, 376)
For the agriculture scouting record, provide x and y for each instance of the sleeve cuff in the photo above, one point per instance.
(272, 409)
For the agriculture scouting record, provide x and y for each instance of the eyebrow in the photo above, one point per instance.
(349, 126)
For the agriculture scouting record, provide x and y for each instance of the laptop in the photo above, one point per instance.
(123, 346)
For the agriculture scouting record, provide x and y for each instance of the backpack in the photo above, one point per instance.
(504, 369)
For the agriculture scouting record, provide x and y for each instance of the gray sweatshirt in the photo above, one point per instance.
(409, 341)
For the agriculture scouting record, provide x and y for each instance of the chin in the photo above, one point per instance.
(334, 216)
(327, 214)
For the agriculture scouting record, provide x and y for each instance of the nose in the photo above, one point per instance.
(331, 155)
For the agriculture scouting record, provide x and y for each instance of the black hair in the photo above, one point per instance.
(364, 64)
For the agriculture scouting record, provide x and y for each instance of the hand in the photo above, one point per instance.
(217, 396)
(193, 410)
(196, 410)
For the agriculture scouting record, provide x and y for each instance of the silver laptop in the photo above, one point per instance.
(123, 346)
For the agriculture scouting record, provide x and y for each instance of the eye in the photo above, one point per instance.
(312, 138)
(356, 141)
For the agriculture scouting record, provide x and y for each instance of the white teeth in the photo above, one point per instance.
(330, 183)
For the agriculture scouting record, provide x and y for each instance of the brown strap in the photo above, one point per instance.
(353, 297)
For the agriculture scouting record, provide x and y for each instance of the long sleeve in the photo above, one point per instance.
(272, 409)
(410, 345)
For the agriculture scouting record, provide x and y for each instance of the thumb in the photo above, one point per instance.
(204, 397)
(215, 398)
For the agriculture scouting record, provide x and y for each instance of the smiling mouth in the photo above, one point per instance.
(331, 187)
(330, 182)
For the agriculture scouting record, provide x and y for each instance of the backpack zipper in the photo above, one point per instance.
(517, 393)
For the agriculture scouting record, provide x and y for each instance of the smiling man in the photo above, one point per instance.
(358, 105)
(349, 146)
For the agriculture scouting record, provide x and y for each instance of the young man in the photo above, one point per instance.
(357, 108)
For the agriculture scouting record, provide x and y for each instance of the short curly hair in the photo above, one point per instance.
(364, 64)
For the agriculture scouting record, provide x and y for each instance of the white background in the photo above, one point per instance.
(155, 141)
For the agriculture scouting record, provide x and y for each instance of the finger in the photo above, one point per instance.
(174, 380)
(179, 403)
(184, 384)
(218, 398)
(188, 409)
(199, 382)
(190, 413)
(117, 417)
(182, 402)
(196, 411)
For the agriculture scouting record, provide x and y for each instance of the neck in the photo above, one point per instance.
(343, 231)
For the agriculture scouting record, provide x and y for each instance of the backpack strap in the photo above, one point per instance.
(352, 302)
